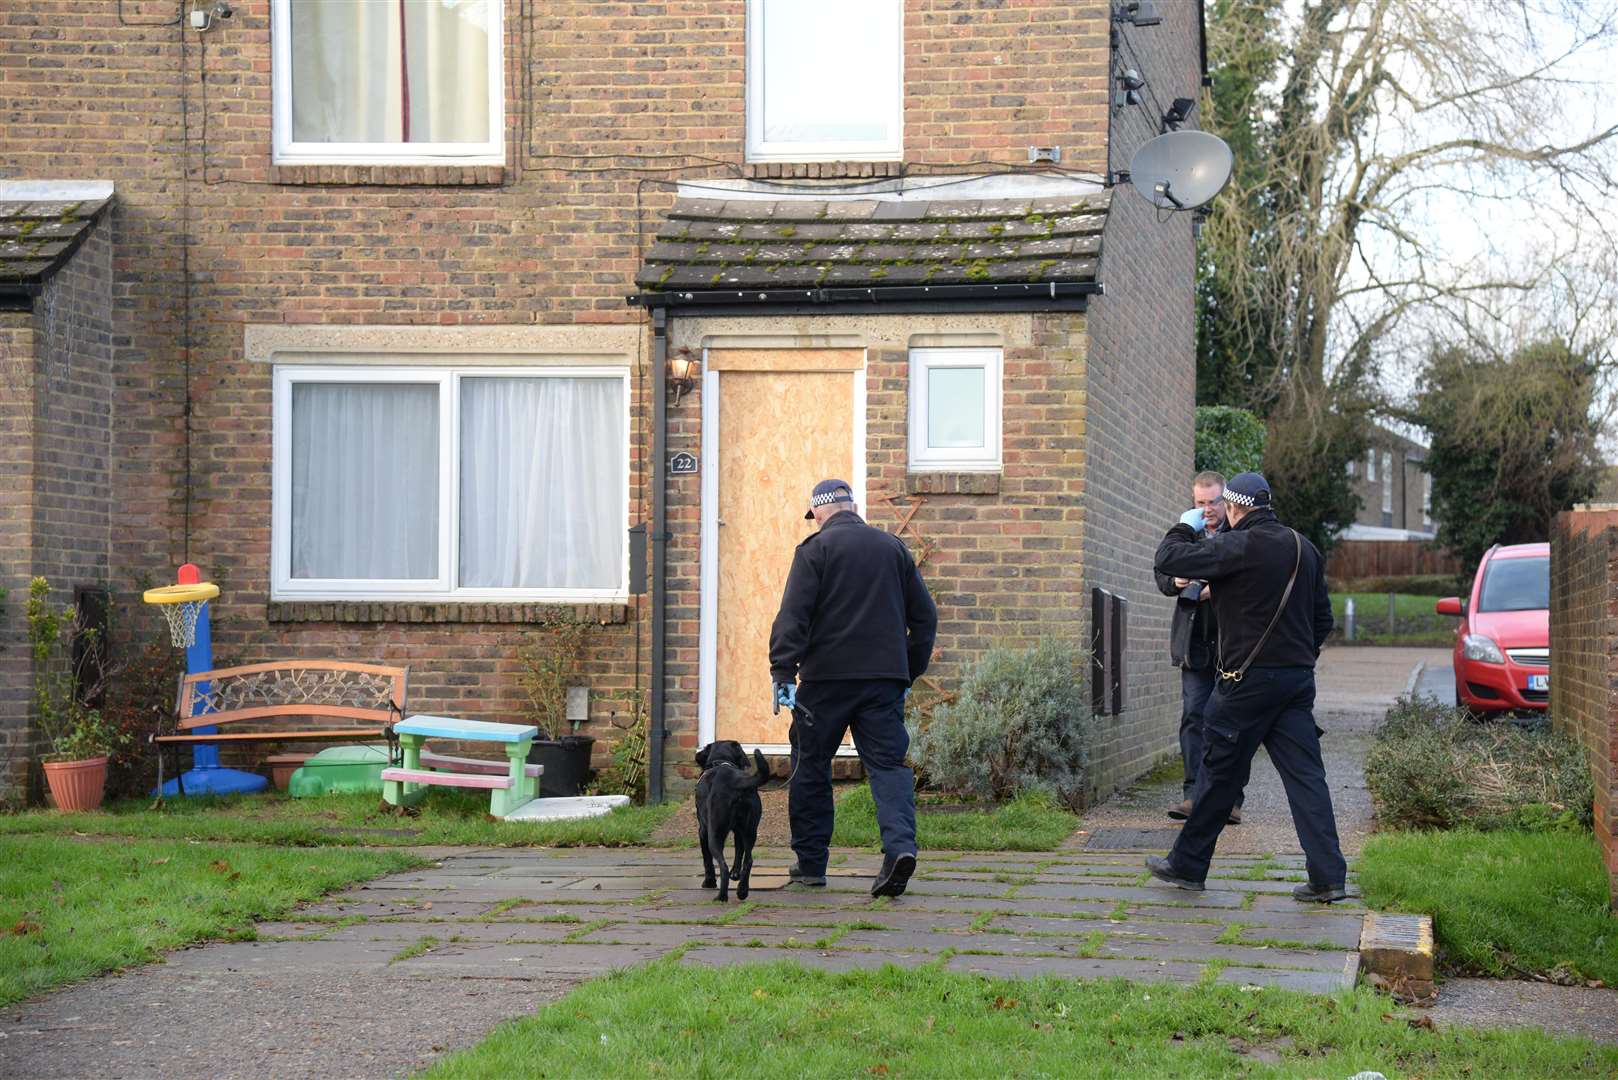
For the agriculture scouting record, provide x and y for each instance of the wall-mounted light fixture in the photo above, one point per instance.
(683, 368)
(1178, 113)
(1140, 13)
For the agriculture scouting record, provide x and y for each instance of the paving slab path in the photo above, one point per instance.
(381, 979)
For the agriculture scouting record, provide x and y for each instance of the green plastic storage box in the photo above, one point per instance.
(340, 769)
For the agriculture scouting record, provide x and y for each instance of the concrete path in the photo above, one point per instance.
(1354, 687)
(382, 979)
(1437, 679)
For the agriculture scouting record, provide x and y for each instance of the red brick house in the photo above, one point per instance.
(391, 302)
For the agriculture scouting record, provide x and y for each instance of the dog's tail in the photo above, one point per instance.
(761, 775)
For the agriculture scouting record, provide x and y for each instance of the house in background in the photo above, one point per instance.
(371, 366)
(1396, 492)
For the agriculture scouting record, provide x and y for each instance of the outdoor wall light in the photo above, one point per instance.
(1141, 13)
(683, 367)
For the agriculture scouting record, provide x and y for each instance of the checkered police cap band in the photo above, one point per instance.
(1239, 499)
(1247, 490)
(823, 499)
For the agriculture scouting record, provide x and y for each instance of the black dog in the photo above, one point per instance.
(728, 804)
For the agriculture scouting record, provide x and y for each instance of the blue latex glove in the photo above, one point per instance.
(785, 694)
(1195, 518)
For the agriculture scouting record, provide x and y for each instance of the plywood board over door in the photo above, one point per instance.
(778, 421)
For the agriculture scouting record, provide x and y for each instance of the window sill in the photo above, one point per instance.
(315, 611)
(952, 483)
(391, 175)
(811, 170)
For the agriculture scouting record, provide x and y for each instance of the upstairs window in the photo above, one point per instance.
(824, 80)
(955, 410)
(388, 82)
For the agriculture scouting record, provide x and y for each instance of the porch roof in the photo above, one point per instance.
(722, 246)
(41, 225)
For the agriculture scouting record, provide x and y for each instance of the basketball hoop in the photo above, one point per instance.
(180, 605)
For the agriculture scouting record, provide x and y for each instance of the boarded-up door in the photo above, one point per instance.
(785, 420)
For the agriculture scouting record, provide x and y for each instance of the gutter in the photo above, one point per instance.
(657, 730)
(1023, 292)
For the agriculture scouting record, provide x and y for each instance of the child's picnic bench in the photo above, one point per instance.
(509, 786)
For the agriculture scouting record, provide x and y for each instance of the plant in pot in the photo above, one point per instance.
(65, 682)
(550, 663)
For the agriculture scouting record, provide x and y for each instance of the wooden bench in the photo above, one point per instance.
(510, 785)
(370, 694)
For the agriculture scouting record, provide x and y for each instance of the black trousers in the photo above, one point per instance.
(874, 710)
(1273, 708)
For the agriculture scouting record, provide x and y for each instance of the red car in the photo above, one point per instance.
(1503, 643)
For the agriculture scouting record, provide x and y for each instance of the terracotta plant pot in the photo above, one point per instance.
(77, 785)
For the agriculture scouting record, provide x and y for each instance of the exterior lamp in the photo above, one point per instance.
(683, 367)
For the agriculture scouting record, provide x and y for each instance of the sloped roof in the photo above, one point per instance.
(39, 234)
(725, 245)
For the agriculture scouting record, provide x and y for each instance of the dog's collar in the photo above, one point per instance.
(722, 765)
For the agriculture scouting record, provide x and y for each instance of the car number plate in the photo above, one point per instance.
(1539, 682)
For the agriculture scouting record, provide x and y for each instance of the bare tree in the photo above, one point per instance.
(1371, 108)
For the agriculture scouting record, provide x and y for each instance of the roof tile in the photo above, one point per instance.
(748, 244)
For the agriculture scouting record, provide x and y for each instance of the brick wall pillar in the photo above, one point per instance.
(1584, 655)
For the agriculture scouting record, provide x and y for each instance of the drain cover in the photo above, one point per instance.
(1121, 839)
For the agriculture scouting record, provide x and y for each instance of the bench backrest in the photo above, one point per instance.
(331, 688)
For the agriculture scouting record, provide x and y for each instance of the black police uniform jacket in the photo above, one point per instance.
(1247, 567)
(1193, 628)
(854, 607)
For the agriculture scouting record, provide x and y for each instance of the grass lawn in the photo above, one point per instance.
(1027, 823)
(781, 1020)
(1503, 903)
(1415, 621)
(72, 907)
(446, 816)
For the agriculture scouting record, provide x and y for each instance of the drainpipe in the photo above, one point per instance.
(656, 731)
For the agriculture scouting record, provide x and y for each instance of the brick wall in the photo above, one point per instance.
(1139, 418)
(56, 460)
(1584, 655)
(607, 104)
(17, 549)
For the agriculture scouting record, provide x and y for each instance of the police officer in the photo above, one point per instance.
(1268, 589)
(855, 629)
(1193, 631)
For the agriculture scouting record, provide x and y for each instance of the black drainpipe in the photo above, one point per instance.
(657, 732)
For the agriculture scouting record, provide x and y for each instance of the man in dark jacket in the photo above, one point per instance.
(855, 630)
(1269, 593)
(1192, 634)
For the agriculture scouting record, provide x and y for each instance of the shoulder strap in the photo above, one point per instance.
(1297, 561)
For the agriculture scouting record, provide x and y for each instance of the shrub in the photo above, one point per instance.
(1408, 584)
(1430, 767)
(140, 702)
(1229, 440)
(1021, 723)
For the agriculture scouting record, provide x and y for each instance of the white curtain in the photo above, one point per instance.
(364, 69)
(543, 499)
(364, 480)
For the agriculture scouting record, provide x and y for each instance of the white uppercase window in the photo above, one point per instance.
(955, 409)
(1427, 500)
(388, 82)
(1387, 483)
(1370, 465)
(825, 80)
(450, 483)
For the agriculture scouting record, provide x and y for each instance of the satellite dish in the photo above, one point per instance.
(1181, 170)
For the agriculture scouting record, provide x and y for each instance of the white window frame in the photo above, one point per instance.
(1427, 499)
(1387, 482)
(1370, 466)
(492, 151)
(759, 149)
(283, 586)
(957, 458)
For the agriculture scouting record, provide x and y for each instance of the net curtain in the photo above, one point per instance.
(390, 71)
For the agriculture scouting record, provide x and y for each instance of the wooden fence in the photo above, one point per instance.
(1356, 559)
